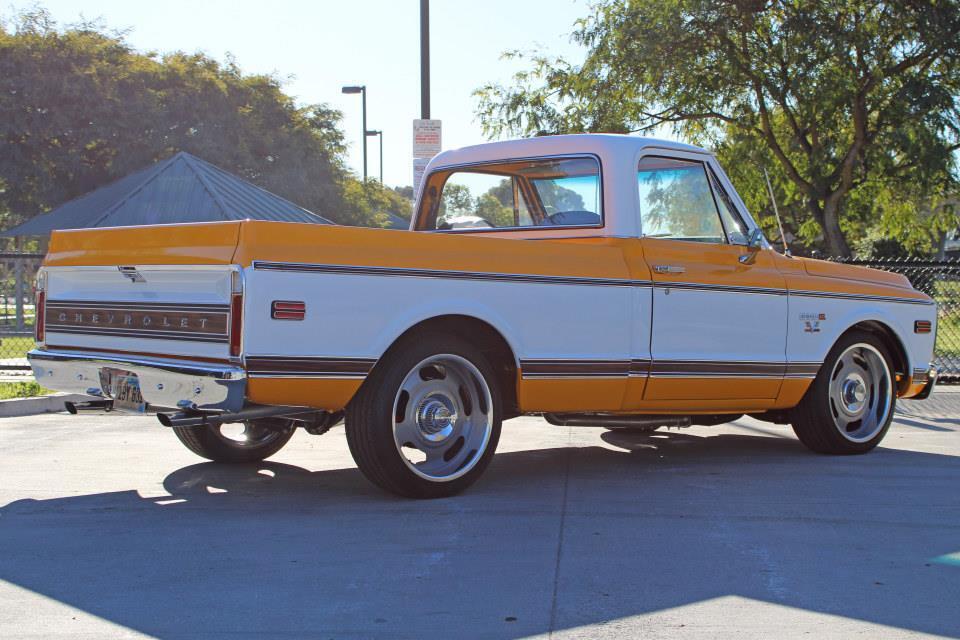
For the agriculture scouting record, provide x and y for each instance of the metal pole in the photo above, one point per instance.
(18, 270)
(381, 157)
(425, 59)
(363, 96)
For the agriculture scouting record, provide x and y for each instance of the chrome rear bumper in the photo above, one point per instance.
(166, 384)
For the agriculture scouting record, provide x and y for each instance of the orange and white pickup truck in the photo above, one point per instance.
(599, 280)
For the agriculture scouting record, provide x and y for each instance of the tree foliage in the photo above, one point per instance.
(79, 108)
(837, 94)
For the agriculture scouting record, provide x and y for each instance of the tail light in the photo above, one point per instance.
(40, 311)
(922, 326)
(236, 315)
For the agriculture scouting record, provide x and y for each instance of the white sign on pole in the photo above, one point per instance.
(426, 144)
(426, 138)
(419, 167)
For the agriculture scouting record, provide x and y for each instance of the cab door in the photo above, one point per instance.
(719, 307)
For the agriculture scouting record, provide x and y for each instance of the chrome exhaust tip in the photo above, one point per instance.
(74, 408)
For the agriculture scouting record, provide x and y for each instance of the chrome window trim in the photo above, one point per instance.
(708, 159)
(713, 197)
(566, 156)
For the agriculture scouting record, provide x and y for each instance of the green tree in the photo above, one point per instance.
(456, 201)
(837, 92)
(80, 108)
(493, 210)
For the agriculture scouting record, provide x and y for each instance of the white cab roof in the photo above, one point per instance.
(602, 144)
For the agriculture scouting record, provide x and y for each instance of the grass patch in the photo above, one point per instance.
(26, 389)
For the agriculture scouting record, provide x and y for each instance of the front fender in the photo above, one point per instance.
(815, 325)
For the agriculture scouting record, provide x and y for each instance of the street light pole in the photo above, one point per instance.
(377, 132)
(362, 90)
(425, 59)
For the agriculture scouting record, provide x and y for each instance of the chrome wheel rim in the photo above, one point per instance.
(861, 393)
(250, 434)
(442, 418)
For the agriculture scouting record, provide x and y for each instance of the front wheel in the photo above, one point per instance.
(426, 423)
(849, 407)
(249, 441)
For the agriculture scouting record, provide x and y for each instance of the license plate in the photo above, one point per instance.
(124, 388)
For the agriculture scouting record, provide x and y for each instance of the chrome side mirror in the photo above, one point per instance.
(754, 244)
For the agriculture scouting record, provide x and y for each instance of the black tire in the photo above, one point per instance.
(818, 420)
(208, 442)
(370, 419)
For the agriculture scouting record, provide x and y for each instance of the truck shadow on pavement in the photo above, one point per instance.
(549, 540)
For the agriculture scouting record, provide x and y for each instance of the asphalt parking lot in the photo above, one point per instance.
(109, 528)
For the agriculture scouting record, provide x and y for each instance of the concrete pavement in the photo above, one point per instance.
(109, 528)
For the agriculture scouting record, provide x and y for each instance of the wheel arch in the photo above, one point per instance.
(488, 338)
(892, 342)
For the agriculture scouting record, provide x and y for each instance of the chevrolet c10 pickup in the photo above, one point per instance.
(598, 280)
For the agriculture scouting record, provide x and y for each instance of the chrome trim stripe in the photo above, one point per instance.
(860, 296)
(921, 376)
(437, 273)
(139, 306)
(300, 267)
(732, 369)
(723, 288)
(308, 367)
(570, 368)
(117, 332)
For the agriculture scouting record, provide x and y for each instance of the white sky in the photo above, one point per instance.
(325, 44)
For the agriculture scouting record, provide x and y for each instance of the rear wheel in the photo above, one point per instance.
(849, 407)
(426, 422)
(249, 441)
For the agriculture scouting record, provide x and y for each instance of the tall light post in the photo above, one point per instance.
(425, 59)
(362, 90)
(379, 134)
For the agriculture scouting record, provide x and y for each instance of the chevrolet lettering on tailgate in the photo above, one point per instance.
(598, 280)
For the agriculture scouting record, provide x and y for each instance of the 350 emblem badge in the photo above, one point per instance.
(811, 321)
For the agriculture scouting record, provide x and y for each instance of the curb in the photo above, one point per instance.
(19, 407)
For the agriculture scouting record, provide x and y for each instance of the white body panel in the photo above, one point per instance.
(371, 311)
(720, 326)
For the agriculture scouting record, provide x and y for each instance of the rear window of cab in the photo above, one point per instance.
(541, 193)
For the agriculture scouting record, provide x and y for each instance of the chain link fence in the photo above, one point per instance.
(18, 272)
(939, 279)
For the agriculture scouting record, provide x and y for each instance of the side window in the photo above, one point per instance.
(545, 193)
(481, 200)
(676, 201)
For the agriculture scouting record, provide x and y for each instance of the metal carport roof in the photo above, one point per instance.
(182, 188)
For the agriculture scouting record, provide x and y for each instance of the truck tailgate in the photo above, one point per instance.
(155, 290)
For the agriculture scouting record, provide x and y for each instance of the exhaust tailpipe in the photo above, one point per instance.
(198, 419)
(89, 405)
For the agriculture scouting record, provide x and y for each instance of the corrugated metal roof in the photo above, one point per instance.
(183, 188)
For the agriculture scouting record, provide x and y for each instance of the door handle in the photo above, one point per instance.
(668, 268)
